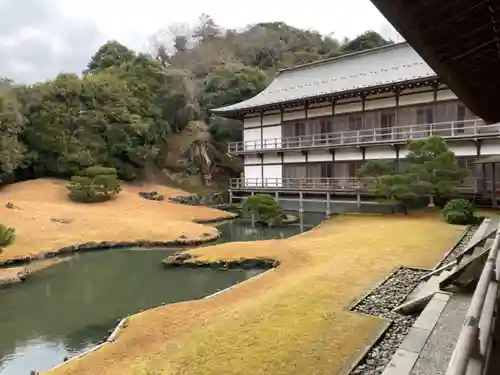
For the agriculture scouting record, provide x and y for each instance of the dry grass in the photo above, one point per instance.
(292, 320)
(126, 218)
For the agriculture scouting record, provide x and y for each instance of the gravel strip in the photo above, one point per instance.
(457, 250)
(381, 302)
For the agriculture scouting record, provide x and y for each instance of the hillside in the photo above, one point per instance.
(129, 110)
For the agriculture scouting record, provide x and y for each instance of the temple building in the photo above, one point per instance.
(310, 130)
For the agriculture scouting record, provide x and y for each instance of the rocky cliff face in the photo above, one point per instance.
(191, 156)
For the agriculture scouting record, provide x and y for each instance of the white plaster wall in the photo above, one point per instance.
(249, 122)
(295, 113)
(294, 157)
(322, 111)
(317, 156)
(251, 137)
(445, 95)
(340, 170)
(271, 118)
(348, 107)
(271, 159)
(251, 159)
(380, 103)
(272, 137)
(416, 98)
(273, 175)
(253, 175)
(490, 147)
(348, 154)
(463, 149)
(383, 152)
(403, 151)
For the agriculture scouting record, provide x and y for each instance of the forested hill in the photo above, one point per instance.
(126, 106)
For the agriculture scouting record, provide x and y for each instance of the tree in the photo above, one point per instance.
(367, 40)
(7, 236)
(391, 186)
(231, 83)
(266, 208)
(110, 54)
(434, 170)
(95, 184)
(206, 29)
(12, 124)
(460, 212)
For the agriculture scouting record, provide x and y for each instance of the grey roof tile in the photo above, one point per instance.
(380, 66)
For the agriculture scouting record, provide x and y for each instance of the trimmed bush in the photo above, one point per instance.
(95, 184)
(266, 208)
(7, 236)
(459, 211)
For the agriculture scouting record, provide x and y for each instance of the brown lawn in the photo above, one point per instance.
(294, 320)
(128, 217)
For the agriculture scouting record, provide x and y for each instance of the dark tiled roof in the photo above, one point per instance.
(361, 70)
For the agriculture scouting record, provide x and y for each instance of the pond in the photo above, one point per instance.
(70, 307)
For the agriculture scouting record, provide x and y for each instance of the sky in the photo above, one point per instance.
(40, 38)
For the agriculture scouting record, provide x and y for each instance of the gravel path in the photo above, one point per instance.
(380, 302)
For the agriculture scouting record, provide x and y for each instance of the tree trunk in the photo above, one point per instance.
(431, 201)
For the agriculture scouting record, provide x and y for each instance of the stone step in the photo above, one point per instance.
(423, 293)
(406, 356)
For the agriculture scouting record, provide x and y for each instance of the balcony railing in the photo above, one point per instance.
(345, 184)
(313, 183)
(455, 129)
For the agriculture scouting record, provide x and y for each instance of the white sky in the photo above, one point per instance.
(40, 38)
(132, 21)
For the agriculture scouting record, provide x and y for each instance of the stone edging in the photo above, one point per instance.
(106, 245)
(217, 219)
(358, 357)
(189, 261)
(92, 246)
(19, 278)
(123, 323)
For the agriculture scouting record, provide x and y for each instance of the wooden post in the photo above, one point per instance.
(358, 201)
(328, 212)
(230, 196)
(277, 196)
(493, 185)
(484, 186)
(301, 203)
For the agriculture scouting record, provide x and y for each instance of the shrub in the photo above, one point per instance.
(7, 235)
(95, 184)
(459, 211)
(266, 208)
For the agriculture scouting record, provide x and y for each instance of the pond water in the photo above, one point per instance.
(71, 306)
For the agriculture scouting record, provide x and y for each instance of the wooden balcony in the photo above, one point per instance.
(319, 184)
(470, 129)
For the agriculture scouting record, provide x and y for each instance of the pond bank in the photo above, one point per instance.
(293, 320)
(54, 312)
(49, 225)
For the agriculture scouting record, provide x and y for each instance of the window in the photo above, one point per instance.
(425, 115)
(460, 124)
(387, 121)
(325, 126)
(355, 122)
(300, 128)
(326, 170)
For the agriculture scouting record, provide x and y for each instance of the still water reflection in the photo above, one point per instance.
(70, 307)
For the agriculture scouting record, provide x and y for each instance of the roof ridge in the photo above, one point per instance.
(342, 57)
